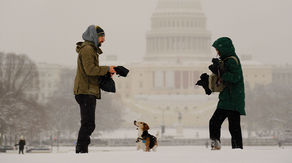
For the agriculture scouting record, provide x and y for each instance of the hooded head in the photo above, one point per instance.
(92, 33)
(225, 47)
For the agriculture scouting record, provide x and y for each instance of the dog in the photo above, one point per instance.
(146, 141)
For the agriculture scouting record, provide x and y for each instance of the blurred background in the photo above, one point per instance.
(166, 45)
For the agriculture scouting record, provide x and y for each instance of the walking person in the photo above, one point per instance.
(86, 84)
(21, 144)
(231, 104)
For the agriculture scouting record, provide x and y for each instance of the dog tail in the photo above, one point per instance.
(157, 134)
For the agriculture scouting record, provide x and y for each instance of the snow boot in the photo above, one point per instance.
(81, 148)
(215, 145)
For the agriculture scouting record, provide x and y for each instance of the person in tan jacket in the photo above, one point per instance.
(86, 84)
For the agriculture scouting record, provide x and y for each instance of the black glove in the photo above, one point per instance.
(219, 72)
(121, 71)
(215, 67)
(216, 62)
(205, 77)
(204, 82)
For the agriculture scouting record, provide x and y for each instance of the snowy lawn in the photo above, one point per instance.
(177, 154)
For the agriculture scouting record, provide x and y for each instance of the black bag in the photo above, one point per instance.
(106, 83)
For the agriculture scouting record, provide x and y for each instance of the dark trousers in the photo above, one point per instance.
(87, 105)
(234, 126)
(20, 150)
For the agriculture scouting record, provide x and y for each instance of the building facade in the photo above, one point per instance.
(161, 89)
(49, 76)
(178, 51)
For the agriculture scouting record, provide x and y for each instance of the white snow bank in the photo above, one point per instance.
(186, 154)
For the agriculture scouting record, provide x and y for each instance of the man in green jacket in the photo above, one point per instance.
(86, 84)
(232, 99)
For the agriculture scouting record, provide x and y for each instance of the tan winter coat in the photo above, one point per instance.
(88, 69)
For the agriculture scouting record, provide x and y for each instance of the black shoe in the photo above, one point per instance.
(81, 148)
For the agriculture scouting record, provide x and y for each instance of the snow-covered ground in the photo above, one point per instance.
(179, 154)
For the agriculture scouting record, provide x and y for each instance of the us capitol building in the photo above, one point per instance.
(178, 50)
(161, 89)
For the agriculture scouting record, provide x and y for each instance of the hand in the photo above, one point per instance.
(213, 69)
(112, 71)
(219, 72)
(205, 85)
(216, 62)
(199, 82)
(204, 82)
(205, 77)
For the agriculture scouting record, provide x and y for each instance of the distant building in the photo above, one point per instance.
(48, 80)
(178, 31)
(178, 51)
(282, 75)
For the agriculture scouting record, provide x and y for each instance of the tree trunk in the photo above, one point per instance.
(1, 138)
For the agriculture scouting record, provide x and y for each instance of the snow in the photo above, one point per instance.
(172, 154)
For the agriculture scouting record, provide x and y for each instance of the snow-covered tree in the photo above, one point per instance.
(18, 74)
(268, 108)
(63, 111)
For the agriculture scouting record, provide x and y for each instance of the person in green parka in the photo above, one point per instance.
(231, 102)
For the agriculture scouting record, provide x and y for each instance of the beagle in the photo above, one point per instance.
(145, 141)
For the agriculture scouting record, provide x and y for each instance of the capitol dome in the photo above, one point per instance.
(178, 30)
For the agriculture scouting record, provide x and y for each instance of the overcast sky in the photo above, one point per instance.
(47, 30)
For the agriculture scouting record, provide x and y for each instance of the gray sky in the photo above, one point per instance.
(47, 30)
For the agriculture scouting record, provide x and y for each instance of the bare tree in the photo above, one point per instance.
(109, 112)
(18, 74)
(64, 112)
(61, 109)
(269, 108)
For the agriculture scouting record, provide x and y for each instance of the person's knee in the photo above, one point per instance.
(91, 128)
(212, 121)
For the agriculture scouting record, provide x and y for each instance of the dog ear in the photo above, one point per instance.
(146, 127)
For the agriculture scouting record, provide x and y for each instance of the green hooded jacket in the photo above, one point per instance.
(233, 95)
(88, 69)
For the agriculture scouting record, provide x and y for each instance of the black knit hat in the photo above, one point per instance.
(99, 31)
